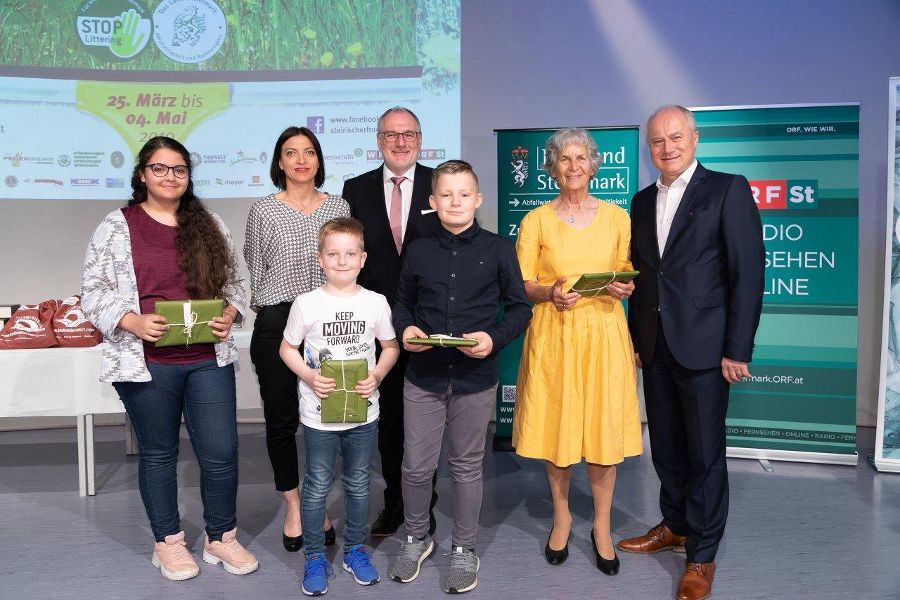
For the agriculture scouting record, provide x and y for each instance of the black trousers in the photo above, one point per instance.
(686, 420)
(390, 433)
(278, 391)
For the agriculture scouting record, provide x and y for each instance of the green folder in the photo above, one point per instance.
(442, 340)
(591, 285)
(188, 321)
(344, 405)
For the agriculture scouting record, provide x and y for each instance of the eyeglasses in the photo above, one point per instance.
(391, 136)
(161, 170)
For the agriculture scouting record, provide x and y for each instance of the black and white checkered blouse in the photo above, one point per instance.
(280, 247)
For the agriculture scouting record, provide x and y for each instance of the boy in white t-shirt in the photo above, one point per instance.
(338, 321)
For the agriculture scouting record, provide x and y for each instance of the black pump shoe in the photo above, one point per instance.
(556, 557)
(292, 544)
(608, 567)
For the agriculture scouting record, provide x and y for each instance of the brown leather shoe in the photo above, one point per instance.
(696, 583)
(657, 539)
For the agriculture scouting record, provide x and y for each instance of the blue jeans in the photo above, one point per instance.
(322, 447)
(205, 394)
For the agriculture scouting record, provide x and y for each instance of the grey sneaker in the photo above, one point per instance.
(409, 559)
(463, 575)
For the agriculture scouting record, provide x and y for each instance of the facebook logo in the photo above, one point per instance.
(315, 124)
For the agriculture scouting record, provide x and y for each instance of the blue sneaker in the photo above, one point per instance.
(357, 562)
(316, 573)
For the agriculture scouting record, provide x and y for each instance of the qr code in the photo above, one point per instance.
(509, 394)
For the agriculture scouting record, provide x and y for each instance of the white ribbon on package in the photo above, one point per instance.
(190, 321)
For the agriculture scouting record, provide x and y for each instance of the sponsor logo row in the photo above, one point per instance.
(76, 159)
(84, 159)
(12, 181)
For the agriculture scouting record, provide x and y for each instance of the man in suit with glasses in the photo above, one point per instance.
(392, 204)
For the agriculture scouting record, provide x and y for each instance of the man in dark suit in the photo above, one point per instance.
(392, 204)
(696, 238)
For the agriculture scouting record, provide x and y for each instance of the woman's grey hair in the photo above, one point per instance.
(562, 138)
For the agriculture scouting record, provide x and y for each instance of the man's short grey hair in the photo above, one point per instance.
(402, 109)
(692, 123)
(562, 138)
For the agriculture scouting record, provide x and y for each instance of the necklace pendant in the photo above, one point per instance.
(571, 219)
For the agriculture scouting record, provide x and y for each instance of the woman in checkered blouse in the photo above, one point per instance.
(280, 249)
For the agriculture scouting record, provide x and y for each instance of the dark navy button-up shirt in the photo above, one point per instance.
(456, 284)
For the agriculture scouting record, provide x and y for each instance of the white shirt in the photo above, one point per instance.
(406, 190)
(668, 198)
(338, 327)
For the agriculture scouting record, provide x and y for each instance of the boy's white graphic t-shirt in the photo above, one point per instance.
(339, 328)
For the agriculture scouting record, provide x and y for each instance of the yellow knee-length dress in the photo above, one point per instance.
(576, 394)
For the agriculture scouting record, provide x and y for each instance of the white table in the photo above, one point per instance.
(59, 382)
(54, 382)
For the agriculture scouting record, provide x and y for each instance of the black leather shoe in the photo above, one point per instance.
(292, 544)
(556, 557)
(608, 567)
(388, 522)
(330, 536)
(432, 523)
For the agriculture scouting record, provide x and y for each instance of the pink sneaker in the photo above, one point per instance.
(235, 558)
(173, 559)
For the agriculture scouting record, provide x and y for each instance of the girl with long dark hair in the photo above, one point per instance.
(165, 245)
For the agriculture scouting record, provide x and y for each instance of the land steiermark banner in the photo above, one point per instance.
(803, 166)
(522, 186)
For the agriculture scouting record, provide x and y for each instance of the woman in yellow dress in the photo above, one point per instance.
(576, 391)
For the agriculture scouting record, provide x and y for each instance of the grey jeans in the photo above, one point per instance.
(466, 417)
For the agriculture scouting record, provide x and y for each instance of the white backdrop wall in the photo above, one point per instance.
(532, 63)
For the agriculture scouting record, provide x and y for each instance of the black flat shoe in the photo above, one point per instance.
(608, 567)
(292, 544)
(556, 557)
(330, 536)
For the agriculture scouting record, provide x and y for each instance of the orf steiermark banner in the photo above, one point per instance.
(803, 167)
(522, 186)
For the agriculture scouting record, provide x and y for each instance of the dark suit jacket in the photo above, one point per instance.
(707, 287)
(365, 194)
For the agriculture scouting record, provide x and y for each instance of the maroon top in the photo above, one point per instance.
(155, 258)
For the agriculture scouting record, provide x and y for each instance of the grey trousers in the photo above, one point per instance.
(466, 417)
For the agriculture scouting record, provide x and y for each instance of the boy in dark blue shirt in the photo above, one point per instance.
(452, 284)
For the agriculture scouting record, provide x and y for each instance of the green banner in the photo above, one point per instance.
(803, 167)
(523, 185)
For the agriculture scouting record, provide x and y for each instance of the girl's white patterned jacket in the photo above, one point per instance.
(109, 291)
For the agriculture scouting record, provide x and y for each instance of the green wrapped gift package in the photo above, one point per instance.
(344, 405)
(592, 285)
(446, 341)
(188, 321)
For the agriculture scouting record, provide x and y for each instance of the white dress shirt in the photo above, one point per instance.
(406, 190)
(668, 198)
